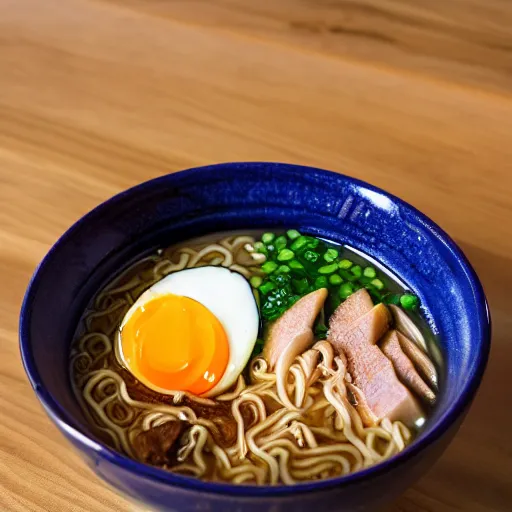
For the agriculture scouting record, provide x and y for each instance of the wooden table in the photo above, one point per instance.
(98, 95)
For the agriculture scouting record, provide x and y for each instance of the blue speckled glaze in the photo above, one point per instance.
(247, 196)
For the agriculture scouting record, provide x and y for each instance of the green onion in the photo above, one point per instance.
(267, 287)
(296, 265)
(258, 348)
(283, 269)
(321, 282)
(267, 238)
(269, 266)
(348, 276)
(328, 269)
(391, 298)
(293, 234)
(301, 285)
(280, 242)
(330, 255)
(346, 289)
(285, 255)
(369, 272)
(321, 331)
(299, 243)
(271, 247)
(409, 301)
(280, 279)
(345, 264)
(335, 279)
(312, 242)
(311, 256)
(357, 271)
(374, 293)
(260, 247)
(256, 281)
(292, 300)
(377, 283)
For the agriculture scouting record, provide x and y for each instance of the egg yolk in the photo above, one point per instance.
(175, 343)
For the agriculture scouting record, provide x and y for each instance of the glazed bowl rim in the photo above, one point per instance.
(102, 451)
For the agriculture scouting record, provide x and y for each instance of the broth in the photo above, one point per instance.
(243, 358)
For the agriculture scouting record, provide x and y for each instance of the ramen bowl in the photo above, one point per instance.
(248, 196)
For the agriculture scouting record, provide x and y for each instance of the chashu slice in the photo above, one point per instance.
(354, 329)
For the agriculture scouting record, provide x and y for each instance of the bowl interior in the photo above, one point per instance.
(253, 196)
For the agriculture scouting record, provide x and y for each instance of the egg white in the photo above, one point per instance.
(229, 297)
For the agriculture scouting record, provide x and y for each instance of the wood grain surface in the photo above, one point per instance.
(412, 95)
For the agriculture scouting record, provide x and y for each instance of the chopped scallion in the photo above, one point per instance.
(260, 247)
(357, 271)
(285, 255)
(267, 238)
(311, 256)
(296, 265)
(269, 266)
(256, 281)
(280, 242)
(377, 297)
(258, 348)
(299, 243)
(345, 264)
(377, 283)
(369, 272)
(409, 301)
(346, 289)
(312, 242)
(335, 279)
(328, 269)
(283, 269)
(292, 300)
(293, 234)
(391, 298)
(280, 279)
(321, 282)
(301, 285)
(330, 255)
(267, 287)
(321, 331)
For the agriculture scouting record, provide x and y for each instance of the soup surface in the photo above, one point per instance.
(255, 359)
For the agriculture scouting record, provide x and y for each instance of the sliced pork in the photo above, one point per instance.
(294, 327)
(354, 329)
(290, 335)
(407, 327)
(391, 345)
(420, 360)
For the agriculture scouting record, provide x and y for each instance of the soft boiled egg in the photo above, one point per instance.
(192, 331)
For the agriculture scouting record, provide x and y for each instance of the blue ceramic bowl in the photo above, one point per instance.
(256, 195)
